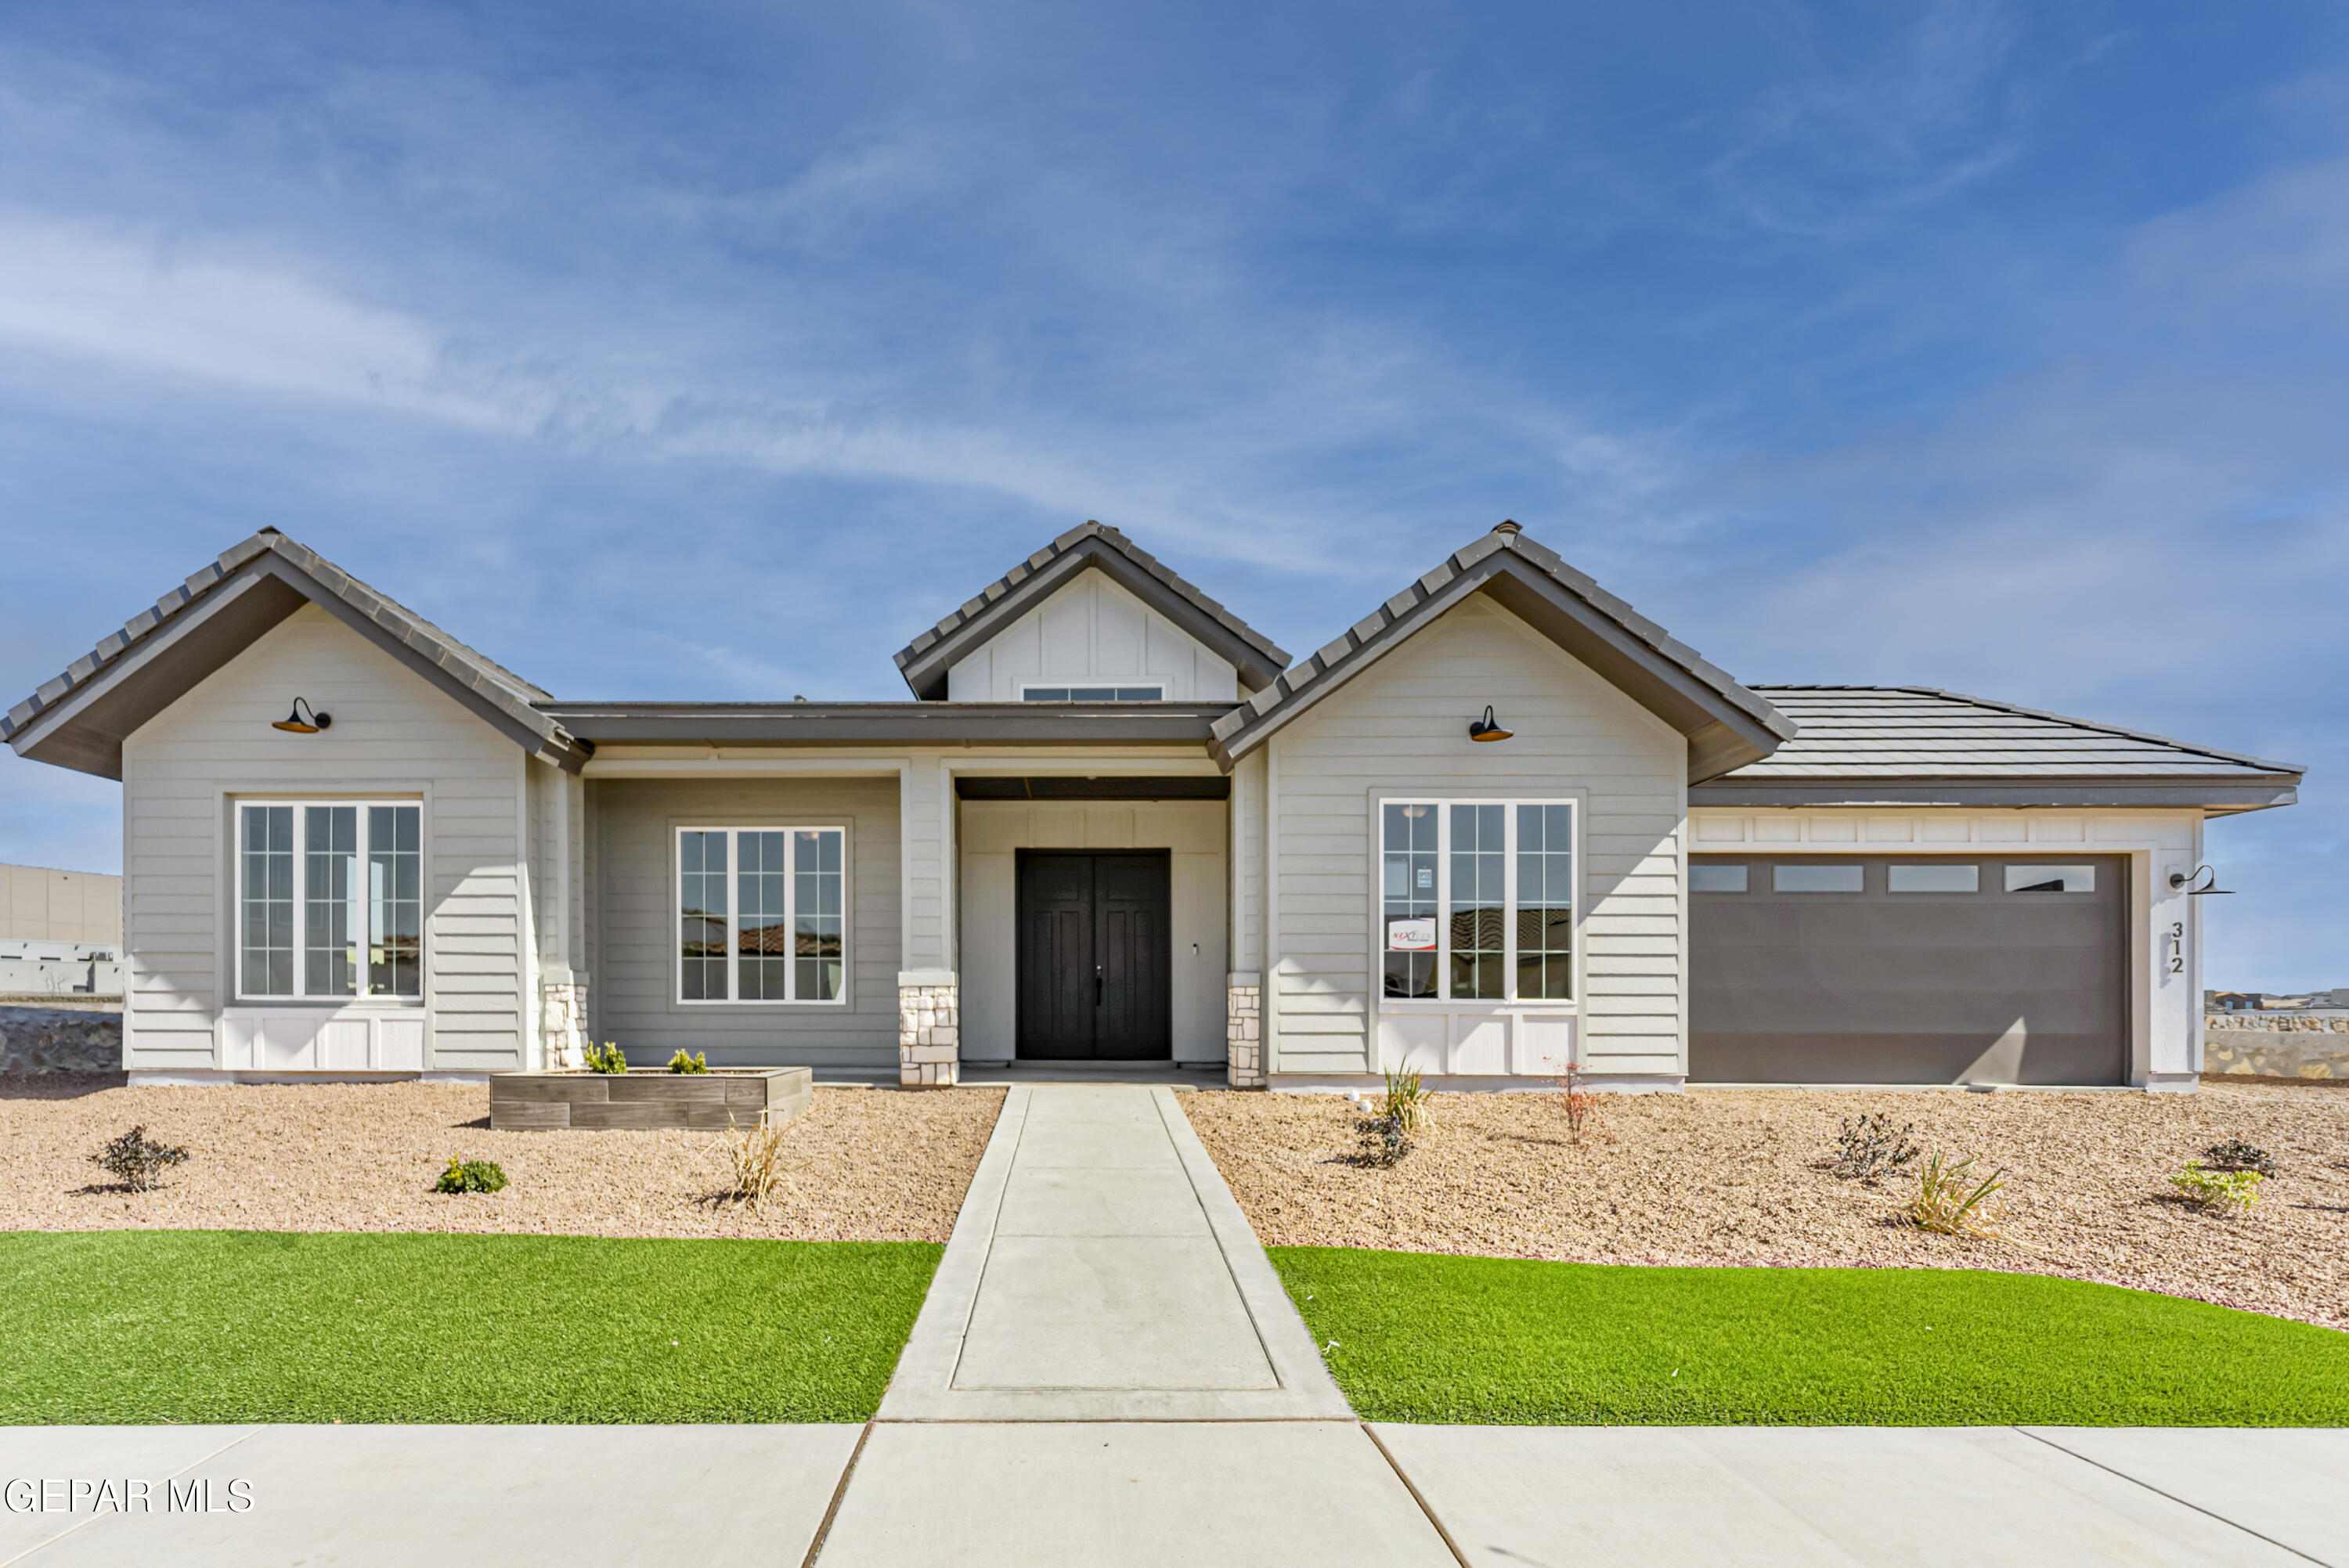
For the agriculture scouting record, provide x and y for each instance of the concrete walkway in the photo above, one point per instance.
(1101, 1270)
(1107, 1371)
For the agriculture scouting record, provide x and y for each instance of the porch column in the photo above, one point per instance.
(929, 992)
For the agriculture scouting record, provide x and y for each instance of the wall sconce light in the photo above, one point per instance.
(1487, 727)
(295, 724)
(2180, 879)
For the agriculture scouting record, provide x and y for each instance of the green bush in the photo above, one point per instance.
(470, 1176)
(681, 1062)
(2218, 1190)
(607, 1057)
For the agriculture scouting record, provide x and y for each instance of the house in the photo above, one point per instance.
(1500, 824)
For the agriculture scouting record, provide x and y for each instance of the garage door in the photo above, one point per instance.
(1903, 969)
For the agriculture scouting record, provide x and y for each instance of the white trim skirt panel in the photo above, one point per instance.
(1477, 1040)
(308, 1039)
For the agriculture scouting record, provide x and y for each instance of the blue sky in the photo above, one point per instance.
(710, 351)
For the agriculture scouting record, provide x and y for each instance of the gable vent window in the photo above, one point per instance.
(1093, 694)
(1476, 900)
(762, 915)
(330, 901)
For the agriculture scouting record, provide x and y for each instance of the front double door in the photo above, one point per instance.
(1094, 956)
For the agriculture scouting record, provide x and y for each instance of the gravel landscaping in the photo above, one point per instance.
(1740, 1177)
(866, 1164)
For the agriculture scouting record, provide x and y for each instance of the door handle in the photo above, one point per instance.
(1097, 984)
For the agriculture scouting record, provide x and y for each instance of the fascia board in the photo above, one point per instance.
(2229, 796)
(911, 722)
(49, 735)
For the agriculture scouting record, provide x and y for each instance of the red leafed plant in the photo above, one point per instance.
(1582, 1109)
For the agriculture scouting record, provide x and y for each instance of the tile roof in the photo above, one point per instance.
(1154, 580)
(442, 656)
(1922, 732)
(1436, 592)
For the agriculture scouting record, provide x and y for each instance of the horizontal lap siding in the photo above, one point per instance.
(1401, 726)
(395, 735)
(634, 987)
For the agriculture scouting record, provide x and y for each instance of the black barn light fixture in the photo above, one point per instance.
(1487, 727)
(295, 724)
(2181, 880)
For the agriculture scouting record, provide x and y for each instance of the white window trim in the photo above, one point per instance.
(1443, 1001)
(1055, 682)
(734, 914)
(300, 803)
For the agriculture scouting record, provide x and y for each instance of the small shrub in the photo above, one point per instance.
(607, 1057)
(754, 1159)
(1582, 1111)
(2235, 1154)
(136, 1160)
(2220, 1191)
(1869, 1146)
(1950, 1203)
(681, 1062)
(470, 1176)
(1405, 1102)
(1383, 1139)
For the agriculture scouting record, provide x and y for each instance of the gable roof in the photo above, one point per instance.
(924, 661)
(78, 720)
(1726, 724)
(1920, 745)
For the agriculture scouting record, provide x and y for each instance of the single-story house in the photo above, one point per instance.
(1500, 824)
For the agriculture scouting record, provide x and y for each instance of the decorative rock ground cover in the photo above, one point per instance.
(1740, 1177)
(865, 1164)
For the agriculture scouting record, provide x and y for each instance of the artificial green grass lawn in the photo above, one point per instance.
(104, 1326)
(1428, 1337)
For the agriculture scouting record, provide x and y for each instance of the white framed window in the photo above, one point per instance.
(1092, 693)
(762, 915)
(1476, 900)
(330, 899)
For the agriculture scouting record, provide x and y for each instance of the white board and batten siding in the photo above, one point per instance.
(395, 737)
(1399, 730)
(1092, 630)
(633, 991)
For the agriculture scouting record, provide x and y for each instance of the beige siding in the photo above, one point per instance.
(37, 905)
(394, 735)
(1092, 630)
(634, 989)
(1401, 726)
(993, 834)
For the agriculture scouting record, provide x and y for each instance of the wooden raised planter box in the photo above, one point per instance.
(647, 1097)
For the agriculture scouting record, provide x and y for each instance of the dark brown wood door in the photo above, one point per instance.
(1094, 956)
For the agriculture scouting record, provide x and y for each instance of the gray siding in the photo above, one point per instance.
(633, 986)
(1401, 726)
(394, 735)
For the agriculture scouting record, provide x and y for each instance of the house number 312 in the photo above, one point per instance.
(2177, 947)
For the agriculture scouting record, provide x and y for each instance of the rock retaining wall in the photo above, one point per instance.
(60, 1040)
(2305, 1045)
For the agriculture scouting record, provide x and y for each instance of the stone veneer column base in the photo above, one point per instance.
(929, 1031)
(1244, 1030)
(562, 1023)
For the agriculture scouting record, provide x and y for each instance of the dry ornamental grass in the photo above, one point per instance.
(862, 1164)
(1742, 1177)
